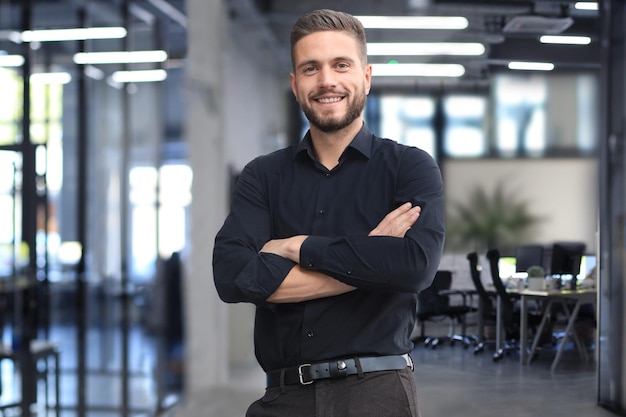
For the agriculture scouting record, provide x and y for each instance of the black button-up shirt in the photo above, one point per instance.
(288, 193)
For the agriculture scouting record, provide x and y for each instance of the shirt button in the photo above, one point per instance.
(322, 212)
(309, 334)
(349, 272)
(328, 175)
(311, 263)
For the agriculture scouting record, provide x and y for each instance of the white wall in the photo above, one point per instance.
(255, 102)
(563, 192)
(255, 106)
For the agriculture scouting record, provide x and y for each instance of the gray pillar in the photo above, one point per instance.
(207, 358)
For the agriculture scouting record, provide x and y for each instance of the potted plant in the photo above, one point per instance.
(536, 278)
(490, 220)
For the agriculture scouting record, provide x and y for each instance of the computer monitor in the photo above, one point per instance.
(527, 256)
(566, 258)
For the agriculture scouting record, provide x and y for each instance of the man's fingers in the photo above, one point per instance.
(403, 209)
(398, 221)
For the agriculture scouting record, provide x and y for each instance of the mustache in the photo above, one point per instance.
(324, 91)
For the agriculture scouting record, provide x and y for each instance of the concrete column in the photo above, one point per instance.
(207, 357)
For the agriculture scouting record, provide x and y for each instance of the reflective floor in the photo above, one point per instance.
(452, 381)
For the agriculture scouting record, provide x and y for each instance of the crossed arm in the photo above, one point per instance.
(302, 285)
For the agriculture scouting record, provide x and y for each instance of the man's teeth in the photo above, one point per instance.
(329, 100)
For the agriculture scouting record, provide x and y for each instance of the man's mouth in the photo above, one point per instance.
(329, 100)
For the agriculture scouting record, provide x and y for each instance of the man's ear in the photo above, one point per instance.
(368, 78)
(292, 80)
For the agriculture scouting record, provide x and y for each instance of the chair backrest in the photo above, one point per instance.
(493, 255)
(527, 256)
(429, 300)
(485, 298)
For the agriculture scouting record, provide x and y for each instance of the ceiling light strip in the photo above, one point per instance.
(565, 40)
(73, 34)
(121, 57)
(139, 76)
(50, 78)
(586, 5)
(414, 22)
(418, 70)
(531, 66)
(426, 48)
(11, 61)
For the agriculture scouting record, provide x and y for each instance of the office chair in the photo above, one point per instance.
(486, 300)
(510, 314)
(433, 303)
(41, 352)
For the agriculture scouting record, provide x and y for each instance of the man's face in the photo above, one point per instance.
(329, 80)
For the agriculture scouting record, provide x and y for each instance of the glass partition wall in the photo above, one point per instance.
(94, 190)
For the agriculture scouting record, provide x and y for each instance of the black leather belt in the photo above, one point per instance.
(307, 373)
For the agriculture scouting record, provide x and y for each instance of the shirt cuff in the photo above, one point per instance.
(312, 252)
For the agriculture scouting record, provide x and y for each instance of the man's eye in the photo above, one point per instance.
(342, 65)
(309, 69)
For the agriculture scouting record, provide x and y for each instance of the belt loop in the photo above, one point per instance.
(283, 390)
(359, 369)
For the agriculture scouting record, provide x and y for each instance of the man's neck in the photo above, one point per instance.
(330, 145)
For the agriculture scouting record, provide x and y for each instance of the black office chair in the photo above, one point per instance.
(486, 300)
(509, 310)
(433, 304)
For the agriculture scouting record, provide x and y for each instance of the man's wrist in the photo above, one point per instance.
(295, 243)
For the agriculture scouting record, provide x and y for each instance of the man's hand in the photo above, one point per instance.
(287, 248)
(397, 222)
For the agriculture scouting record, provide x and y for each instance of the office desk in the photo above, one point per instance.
(550, 297)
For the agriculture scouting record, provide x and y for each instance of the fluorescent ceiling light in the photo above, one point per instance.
(122, 57)
(414, 22)
(139, 76)
(565, 40)
(50, 78)
(417, 70)
(74, 34)
(586, 5)
(11, 60)
(531, 66)
(426, 48)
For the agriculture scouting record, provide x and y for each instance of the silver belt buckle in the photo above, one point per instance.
(409, 361)
(301, 376)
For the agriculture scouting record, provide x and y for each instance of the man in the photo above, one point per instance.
(332, 239)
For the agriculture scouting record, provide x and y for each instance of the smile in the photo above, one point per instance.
(329, 100)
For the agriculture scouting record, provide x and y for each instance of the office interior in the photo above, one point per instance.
(113, 186)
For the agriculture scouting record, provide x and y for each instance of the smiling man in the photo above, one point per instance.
(332, 239)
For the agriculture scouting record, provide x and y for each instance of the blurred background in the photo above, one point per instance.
(124, 124)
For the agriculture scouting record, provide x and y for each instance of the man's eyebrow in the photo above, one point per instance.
(336, 59)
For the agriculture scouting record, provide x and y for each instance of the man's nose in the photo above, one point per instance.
(327, 77)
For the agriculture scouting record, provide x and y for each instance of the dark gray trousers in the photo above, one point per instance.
(375, 394)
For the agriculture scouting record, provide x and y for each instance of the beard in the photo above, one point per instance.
(331, 123)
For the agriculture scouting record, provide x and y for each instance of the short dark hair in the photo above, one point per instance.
(326, 19)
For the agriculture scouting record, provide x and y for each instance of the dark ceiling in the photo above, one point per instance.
(487, 24)
(263, 26)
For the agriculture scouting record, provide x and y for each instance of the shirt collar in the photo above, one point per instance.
(362, 143)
